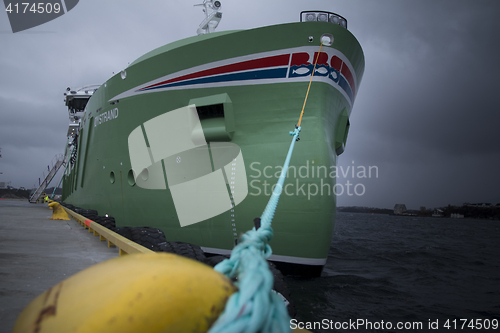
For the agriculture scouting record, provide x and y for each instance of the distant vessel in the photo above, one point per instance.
(190, 136)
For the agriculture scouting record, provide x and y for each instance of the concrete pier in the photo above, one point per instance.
(37, 253)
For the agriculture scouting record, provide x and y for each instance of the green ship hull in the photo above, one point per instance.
(191, 137)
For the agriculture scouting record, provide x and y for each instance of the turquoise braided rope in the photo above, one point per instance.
(255, 307)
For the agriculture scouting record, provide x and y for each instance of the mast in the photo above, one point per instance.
(213, 16)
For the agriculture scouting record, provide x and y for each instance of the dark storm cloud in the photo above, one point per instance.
(437, 83)
(21, 117)
(427, 111)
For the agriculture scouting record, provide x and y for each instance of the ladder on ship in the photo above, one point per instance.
(57, 162)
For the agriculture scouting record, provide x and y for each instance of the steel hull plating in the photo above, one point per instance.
(252, 84)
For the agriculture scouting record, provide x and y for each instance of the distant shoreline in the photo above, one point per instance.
(468, 211)
(15, 193)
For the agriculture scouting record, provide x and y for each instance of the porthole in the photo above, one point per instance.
(144, 174)
(131, 178)
(112, 177)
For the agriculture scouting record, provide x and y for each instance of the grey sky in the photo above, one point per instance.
(426, 113)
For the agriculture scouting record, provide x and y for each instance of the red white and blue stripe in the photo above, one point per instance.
(282, 66)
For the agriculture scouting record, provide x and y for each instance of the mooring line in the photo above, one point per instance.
(309, 87)
(255, 307)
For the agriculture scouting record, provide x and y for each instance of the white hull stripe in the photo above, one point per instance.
(274, 257)
(281, 66)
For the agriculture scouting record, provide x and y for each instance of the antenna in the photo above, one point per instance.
(213, 16)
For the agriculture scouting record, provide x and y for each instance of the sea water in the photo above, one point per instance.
(404, 274)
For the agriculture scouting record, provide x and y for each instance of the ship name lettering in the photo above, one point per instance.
(105, 116)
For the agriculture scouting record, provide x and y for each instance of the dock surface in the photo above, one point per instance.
(37, 253)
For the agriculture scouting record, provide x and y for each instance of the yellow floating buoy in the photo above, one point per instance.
(157, 292)
(58, 213)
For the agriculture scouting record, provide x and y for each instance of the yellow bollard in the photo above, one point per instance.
(58, 213)
(153, 293)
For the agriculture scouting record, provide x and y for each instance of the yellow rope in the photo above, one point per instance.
(310, 81)
(254, 307)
